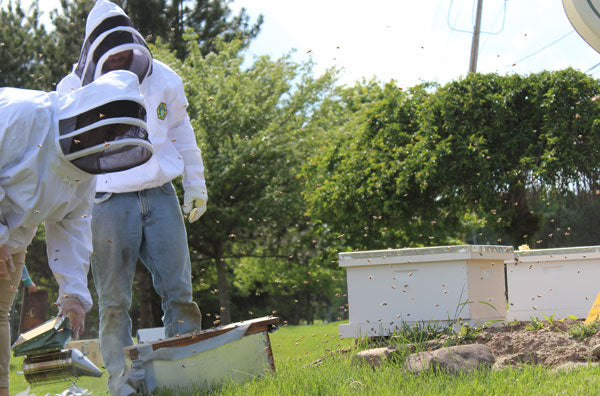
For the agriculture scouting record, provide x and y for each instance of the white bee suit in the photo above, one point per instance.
(109, 31)
(140, 213)
(41, 178)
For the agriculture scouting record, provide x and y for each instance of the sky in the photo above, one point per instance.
(415, 41)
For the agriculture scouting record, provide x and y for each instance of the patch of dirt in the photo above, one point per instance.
(551, 346)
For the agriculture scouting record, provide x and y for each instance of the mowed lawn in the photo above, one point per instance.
(307, 364)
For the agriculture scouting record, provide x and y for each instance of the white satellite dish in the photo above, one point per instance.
(584, 15)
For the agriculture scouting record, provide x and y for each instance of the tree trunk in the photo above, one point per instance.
(224, 301)
(524, 224)
(308, 308)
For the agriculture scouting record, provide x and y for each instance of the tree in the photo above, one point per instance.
(570, 219)
(68, 36)
(487, 142)
(422, 167)
(298, 278)
(249, 123)
(208, 18)
(362, 184)
(152, 18)
(22, 42)
(211, 19)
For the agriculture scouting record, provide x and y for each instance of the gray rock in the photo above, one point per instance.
(373, 357)
(462, 358)
(418, 362)
(452, 359)
(596, 351)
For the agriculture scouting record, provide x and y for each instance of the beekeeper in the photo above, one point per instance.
(137, 213)
(52, 146)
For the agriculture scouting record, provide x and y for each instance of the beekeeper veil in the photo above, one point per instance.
(102, 126)
(112, 43)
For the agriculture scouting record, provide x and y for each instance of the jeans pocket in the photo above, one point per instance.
(102, 197)
(168, 188)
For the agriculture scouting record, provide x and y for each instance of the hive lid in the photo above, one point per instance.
(567, 250)
(425, 254)
(51, 335)
(557, 254)
(266, 323)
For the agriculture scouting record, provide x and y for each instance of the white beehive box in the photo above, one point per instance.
(203, 360)
(559, 282)
(389, 288)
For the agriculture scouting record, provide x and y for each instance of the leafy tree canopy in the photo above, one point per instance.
(418, 165)
(252, 127)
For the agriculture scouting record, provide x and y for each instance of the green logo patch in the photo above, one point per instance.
(161, 110)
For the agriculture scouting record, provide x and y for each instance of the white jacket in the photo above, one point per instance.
(170, 130)
(39, 184)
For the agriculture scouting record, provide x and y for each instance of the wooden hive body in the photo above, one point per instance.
(202, 360)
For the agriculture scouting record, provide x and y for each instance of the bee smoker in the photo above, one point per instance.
(45, 358)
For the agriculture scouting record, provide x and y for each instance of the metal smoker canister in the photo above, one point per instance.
(58, 366)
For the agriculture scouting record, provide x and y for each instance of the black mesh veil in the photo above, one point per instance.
(114, 37)
(109, 138)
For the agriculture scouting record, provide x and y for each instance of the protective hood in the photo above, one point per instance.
(109, 33)
(102, 126)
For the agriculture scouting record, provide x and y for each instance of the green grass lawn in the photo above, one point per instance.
(296, 347)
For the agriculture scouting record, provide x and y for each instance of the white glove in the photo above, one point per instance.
(194, 202)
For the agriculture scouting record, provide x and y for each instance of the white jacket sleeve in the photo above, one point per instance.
(69, 245)
(4, 234)
(68, 83)
(182, 135)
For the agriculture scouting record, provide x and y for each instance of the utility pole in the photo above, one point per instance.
(475, 42)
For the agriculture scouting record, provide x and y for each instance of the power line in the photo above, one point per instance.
(450, 26)
(503, 20)
(448, 37)
(494, 24)
(538, 51)
(436, 14)
(470, 31)
(592, 68)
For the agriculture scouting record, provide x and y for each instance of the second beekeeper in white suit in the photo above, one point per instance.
(137, 213)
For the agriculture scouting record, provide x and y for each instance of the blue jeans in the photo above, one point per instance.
(147, 224)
